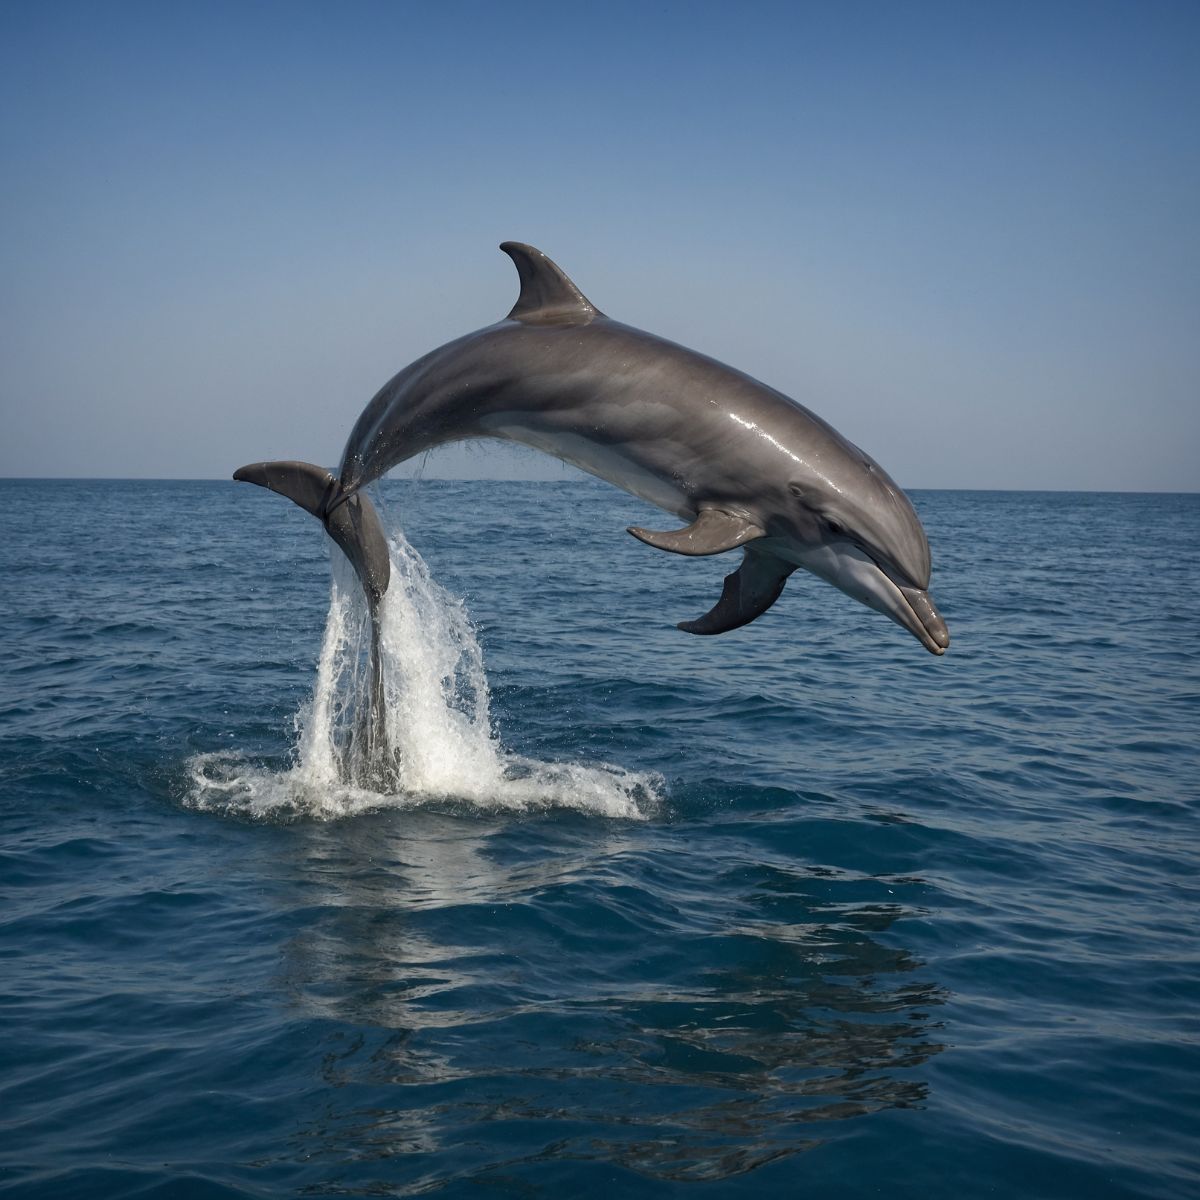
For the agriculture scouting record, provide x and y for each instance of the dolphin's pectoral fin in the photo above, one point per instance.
(713, 532)
(747, 594)
(547, 296)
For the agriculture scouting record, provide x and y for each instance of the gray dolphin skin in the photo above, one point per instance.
(745, 466)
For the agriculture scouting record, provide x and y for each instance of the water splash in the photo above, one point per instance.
(441, 744)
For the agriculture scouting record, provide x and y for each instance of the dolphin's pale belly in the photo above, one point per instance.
(615, 462)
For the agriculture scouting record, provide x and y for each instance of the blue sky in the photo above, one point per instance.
(965, 234)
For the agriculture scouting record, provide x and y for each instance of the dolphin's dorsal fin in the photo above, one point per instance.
(713, 532)
(547, 296)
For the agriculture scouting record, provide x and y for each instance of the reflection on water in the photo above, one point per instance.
(492, 1001)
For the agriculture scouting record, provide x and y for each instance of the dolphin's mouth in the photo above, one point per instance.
(907, 606)
(852, 570)
(928, 626)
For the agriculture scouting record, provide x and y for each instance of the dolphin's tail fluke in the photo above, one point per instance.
(350, 519)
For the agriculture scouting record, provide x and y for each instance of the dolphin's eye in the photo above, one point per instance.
(835, 527)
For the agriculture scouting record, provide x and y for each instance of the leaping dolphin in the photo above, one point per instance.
(743, 464)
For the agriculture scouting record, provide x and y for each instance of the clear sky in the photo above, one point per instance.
(964, 233)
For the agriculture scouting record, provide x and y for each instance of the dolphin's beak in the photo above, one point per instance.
(933, 627)
(853, 571)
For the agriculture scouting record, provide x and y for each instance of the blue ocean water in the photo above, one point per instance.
(800, 910)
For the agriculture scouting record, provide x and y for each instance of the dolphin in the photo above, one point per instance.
(742, 464)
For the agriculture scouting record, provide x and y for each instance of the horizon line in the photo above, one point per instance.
(585, 480)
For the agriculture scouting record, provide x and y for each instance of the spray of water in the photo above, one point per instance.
(440, 741)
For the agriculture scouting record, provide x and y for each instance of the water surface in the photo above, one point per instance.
(801, 910)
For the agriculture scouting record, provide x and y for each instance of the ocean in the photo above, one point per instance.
(797, 911)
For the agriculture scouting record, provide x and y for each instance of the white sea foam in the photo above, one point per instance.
(437, 713)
